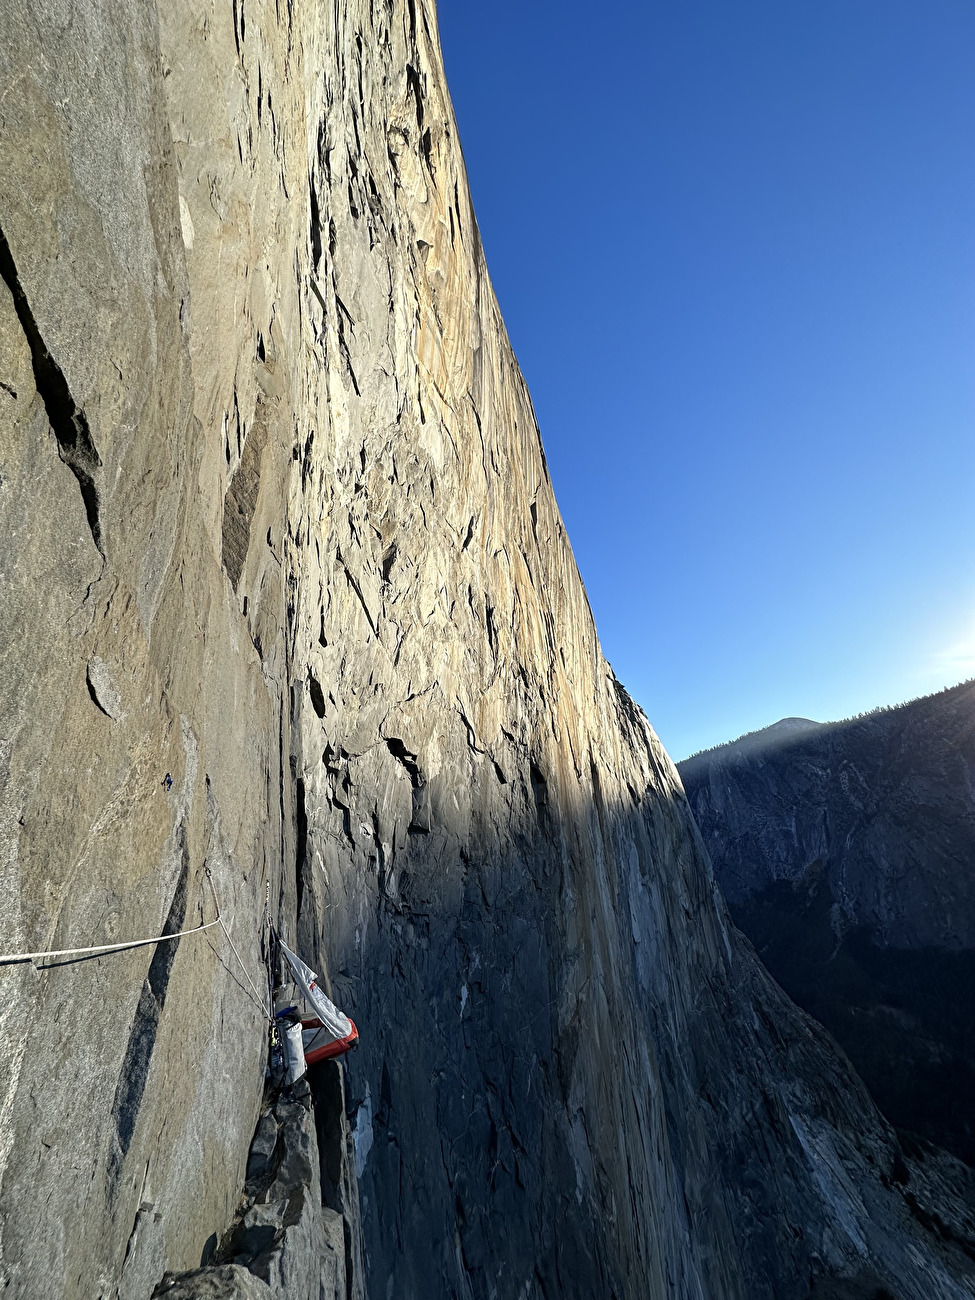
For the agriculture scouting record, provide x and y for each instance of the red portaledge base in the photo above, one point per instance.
(338, 1046)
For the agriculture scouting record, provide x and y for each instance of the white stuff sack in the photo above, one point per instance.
(335, 1023)
(294, 1053)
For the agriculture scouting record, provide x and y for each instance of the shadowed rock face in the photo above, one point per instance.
(290, 541)
(845, 853)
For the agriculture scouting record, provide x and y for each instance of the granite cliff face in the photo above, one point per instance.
(287, 598)
(151, 342)
(845, 853)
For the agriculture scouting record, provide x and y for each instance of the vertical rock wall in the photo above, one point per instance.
(573, 1080)
(150, 286)
(287, 597)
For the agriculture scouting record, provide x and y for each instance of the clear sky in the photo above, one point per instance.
(734, 244)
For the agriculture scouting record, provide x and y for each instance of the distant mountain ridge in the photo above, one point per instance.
(784, 729)
(845, 851)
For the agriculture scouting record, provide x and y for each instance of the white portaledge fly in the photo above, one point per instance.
(327, 1034)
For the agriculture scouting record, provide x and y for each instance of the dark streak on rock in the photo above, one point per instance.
(316, 225)
(317, 696)
(413, 82)
(69, 423)
(301, 843)
(389, 559)
(94, 696)
(420, 819)
(142, 1039)
(358, 591)
(403, 755)
(241, 500)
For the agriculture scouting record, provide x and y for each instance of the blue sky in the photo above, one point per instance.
(734, 244)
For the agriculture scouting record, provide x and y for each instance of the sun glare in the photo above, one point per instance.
(956, 662)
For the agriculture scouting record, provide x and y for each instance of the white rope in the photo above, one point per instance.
(260, 1001)
(9, 958)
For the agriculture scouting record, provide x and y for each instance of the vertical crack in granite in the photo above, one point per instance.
(68, 422)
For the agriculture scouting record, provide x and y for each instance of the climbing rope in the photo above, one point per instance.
(265, 1010)
(9, 958)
